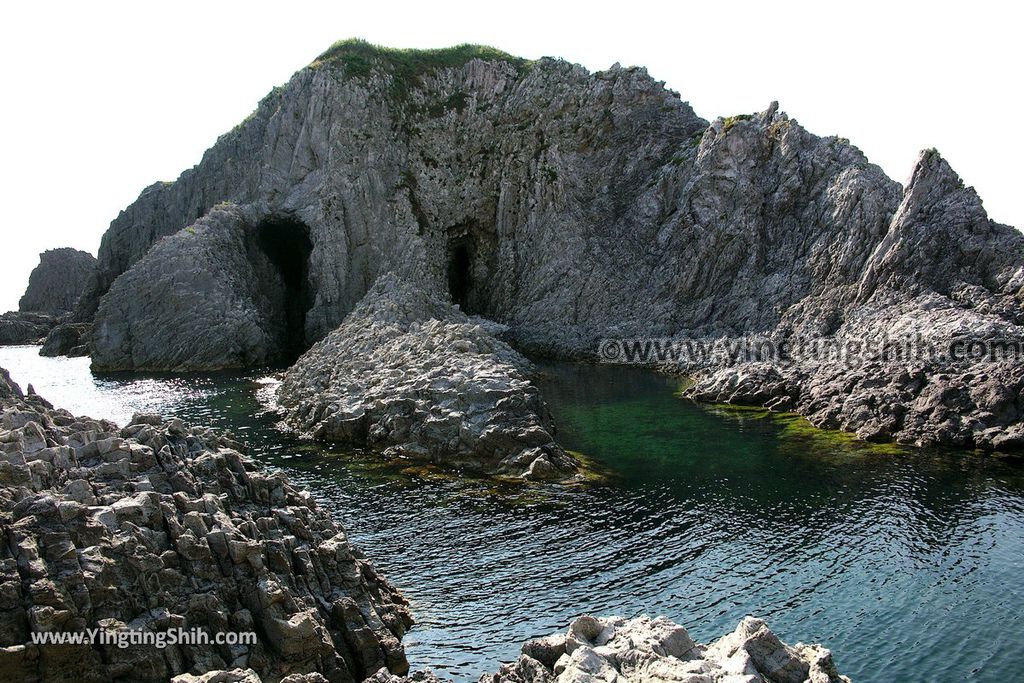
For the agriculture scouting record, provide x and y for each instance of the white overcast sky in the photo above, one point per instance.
(101, 99)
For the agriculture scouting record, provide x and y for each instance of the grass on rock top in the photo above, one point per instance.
(358, 57)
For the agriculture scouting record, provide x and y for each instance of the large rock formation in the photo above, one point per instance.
(482, 173)
(566, 205)
(55, 285)
(228, 292)
(157, 527)
(414, 377)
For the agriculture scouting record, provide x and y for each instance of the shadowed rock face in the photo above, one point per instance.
(159, 526)
(55, 285)
(567, 205)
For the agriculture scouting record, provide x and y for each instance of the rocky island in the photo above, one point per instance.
(569, 207)
(397, 231)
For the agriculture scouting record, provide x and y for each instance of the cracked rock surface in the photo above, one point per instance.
(645, 650)
(157, 526)
(55, 285)
(413, 377)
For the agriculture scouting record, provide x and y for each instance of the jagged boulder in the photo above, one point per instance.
(55, 285)
(157, 526)
(413, 377)
(67, 339)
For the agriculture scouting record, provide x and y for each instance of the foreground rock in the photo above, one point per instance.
(55, 285)
(207, 298)
(644, 650)
(413, 377)
(157, 526)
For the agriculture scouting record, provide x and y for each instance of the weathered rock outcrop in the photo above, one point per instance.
(476, 173)
(414, 377)
(929, 349)
(24, 328)
(67, 339)
(645, 650)
(225, 293)
(55, 285)
(566, 205)
(157, 526)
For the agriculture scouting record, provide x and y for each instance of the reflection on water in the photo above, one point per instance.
(906, 564)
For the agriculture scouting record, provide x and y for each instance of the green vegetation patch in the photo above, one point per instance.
(358, 57)
(733, 120)
(797, 427)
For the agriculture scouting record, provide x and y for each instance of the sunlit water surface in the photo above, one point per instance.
(908, 565)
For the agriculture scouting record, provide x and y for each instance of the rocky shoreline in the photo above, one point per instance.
(563, 208)
(641, 650)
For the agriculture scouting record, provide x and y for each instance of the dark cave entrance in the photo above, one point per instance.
(281, 259)
(460, 271)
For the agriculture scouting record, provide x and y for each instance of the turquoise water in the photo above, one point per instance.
(907, 564)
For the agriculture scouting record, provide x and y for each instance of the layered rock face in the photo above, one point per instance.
(55, 285)
(412, 376)
(157, 526)
(645, 650)
(945, 290)
(484, 174)
(227, 292)
(570, 207)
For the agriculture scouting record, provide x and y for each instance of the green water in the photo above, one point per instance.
(908, 564)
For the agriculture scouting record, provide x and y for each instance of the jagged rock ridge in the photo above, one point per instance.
(54, 287)
(158, 526)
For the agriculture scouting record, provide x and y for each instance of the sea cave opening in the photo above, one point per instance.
(285, 245)
(460, 272)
